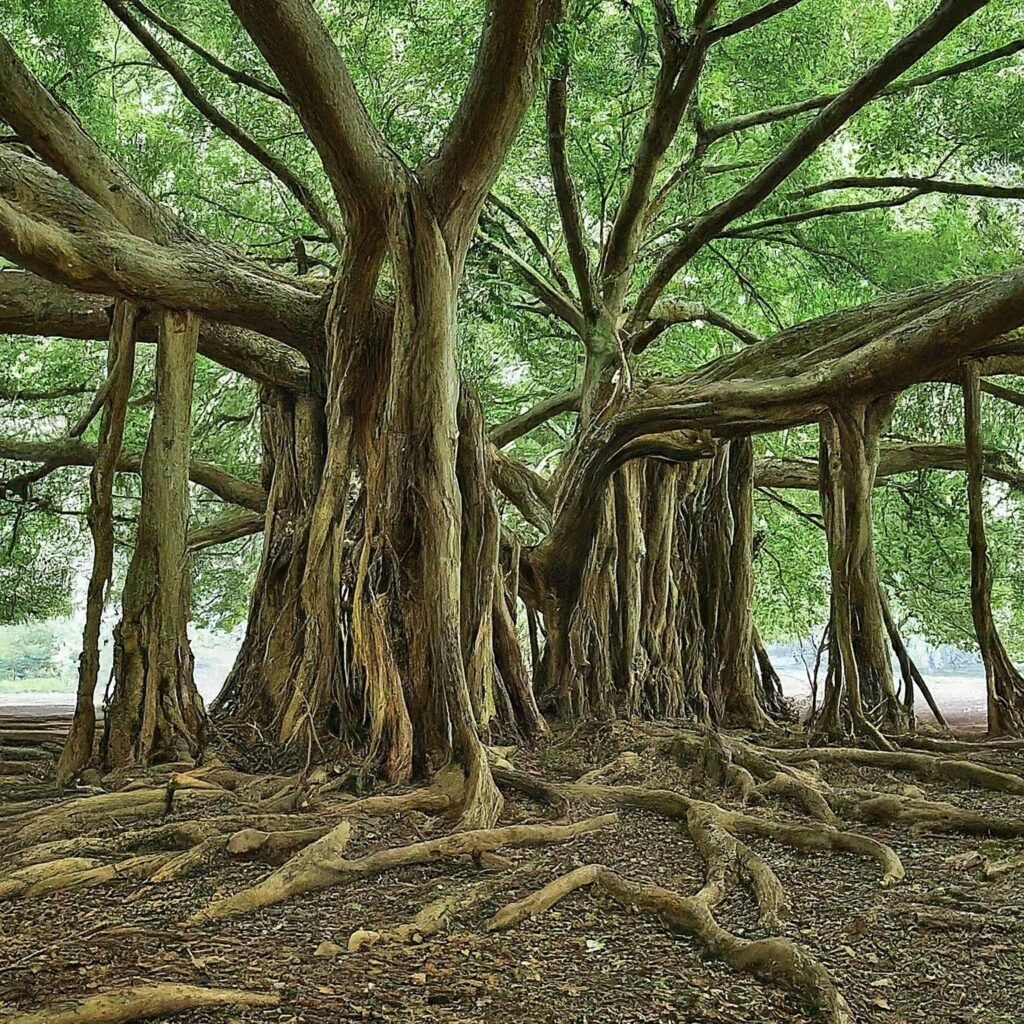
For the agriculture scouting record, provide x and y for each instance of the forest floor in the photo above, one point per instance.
(942, 947)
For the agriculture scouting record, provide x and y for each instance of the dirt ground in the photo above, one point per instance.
(892, 952)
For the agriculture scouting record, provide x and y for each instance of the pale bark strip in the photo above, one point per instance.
(78, 746)
(321, 865)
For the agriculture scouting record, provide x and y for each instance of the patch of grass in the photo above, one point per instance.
(35, 684)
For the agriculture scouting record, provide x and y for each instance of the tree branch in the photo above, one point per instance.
(538, 243)
(894, 459)
(58, 233)
(787, 110)
(226, 528)
(565, 193)
(35, 307)
(305, 196)
(749, 230)
(682, 63)
(560, 304)
(684, 313)
(505, 433)
(297, 46)
(751, 20)
(944, 19)
(241, 77)
(490, 112)
(42, 123)
(920, 185)
(60, 453)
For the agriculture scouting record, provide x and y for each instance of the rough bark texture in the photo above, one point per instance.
(258, 687)
(1004, 684)
(859, 693)
(154, 711)
(78, 747)
(657, 621)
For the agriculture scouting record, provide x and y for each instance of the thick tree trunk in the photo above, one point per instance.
(657, 622)
(78, 747)
(859, 692)
(1004, 684)
(259, 687)
(154, 712)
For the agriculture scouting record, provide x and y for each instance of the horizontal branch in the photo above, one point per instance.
(672, 313)
(226, 528)
(50, 228)
(57, 454)
(35, 307)
(921, 185)
(802, 473)
(547, 408)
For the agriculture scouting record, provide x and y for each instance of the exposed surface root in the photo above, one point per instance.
(143, 1003)
(321, 864)
(924, 766)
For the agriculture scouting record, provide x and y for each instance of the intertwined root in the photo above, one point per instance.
(302, 826)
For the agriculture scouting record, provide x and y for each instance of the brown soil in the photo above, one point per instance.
(586, 960)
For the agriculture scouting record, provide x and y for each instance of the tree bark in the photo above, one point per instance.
(657, 620)
(154, 712)
(78, 747)
(1004, 684)
(859, 692)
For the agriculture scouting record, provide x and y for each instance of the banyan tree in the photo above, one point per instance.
(465, 352)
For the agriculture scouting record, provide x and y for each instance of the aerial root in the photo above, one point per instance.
(322, 864)
(141, 1003)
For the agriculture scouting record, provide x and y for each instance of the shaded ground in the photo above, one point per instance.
(587, 960)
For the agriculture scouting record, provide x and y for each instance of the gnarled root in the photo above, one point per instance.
(776, 959)
(321, 864)
(923, 766)
(435, 917)
(142, 1003)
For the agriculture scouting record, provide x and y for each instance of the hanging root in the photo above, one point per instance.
(142, 1003)
(322, 864)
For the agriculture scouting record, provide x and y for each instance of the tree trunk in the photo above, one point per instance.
(78, 747)
(657, 622)
(859, 693)
(259, 687)
(154, 712)
(1004, 684)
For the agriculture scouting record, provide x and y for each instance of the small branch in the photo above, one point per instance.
(565, 193)
(547, 408)
(751, 20)
(538, 243)
(241, 77)
(921, 185)
(306, 198)
(781, 113)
